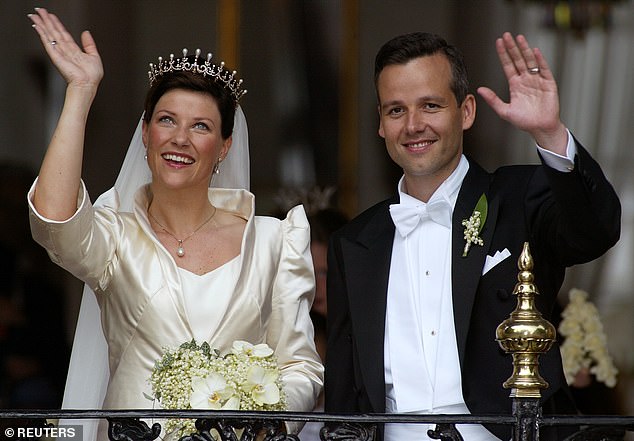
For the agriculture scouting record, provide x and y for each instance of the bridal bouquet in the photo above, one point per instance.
(196, 376)
(585, 344)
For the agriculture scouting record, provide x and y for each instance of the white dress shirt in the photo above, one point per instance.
(422, 369)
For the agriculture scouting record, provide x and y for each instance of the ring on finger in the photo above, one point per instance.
(533, 70)
(53, 42)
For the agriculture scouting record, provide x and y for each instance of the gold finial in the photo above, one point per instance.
(525, 334)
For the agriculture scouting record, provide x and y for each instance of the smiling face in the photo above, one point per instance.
(183, 140)
(421, 121)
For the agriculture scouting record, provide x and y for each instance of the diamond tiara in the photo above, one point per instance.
(206, 69)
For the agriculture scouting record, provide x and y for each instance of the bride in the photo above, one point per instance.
(169, 255)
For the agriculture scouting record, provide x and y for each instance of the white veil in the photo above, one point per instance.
(88, 371)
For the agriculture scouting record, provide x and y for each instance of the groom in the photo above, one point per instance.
(412, 305)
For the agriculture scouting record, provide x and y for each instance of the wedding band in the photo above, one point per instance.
(534, 70)
(53, 42)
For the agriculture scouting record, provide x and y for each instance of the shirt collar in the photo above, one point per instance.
(448, 189)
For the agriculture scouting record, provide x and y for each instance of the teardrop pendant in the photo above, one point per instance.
(180, 251)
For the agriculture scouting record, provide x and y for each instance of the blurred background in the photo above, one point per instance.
(311, 110)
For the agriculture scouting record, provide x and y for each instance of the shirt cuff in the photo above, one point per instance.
(560, 163)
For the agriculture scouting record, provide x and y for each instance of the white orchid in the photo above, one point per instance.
(261, 350)
(261, 383)
(213, 392)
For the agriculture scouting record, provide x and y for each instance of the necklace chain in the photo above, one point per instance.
(180, 251)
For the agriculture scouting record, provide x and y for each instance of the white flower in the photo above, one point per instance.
(585, 345)
(261, 350)
(261, 384)
(212, 392)
(471, 232)
(475, 223)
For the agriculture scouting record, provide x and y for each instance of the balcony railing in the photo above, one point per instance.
(138, 425)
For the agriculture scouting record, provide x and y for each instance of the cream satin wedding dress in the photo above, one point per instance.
(140, 308)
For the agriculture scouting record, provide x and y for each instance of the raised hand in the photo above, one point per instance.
(80, 67)
(534, 99)
(59, 179)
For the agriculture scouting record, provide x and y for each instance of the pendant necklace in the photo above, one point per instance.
(180, 251)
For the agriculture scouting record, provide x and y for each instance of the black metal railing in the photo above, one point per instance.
(132, 425)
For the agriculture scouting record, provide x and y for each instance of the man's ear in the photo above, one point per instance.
(468, 111)
(381, 131)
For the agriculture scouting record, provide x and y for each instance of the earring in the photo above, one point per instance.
(217, 166)
(145, 156)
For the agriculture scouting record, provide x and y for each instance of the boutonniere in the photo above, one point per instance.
(473, 225)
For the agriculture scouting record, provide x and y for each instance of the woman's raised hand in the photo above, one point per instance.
(59, 179)
(80, 67)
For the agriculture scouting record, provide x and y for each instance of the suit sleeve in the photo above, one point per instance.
(582, 219)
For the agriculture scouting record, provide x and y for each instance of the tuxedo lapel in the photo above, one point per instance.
(368, 267)
(466, 271)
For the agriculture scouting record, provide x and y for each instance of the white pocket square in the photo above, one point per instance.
(491, 261)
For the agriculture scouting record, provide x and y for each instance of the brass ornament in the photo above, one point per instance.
(525, 334)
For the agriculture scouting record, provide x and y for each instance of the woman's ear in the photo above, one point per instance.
(226, 146)
(144, 132)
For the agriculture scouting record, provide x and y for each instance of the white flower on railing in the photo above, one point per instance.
(585, 344)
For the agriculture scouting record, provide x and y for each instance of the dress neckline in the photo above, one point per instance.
(188, 273)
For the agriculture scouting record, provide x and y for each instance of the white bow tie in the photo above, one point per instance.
(407, 216)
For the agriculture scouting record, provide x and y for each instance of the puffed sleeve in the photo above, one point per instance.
(290, 328)
(83, 244)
